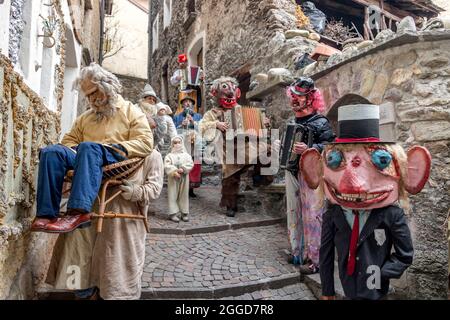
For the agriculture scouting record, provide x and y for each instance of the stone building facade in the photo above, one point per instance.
(37, 69)
(132, 87)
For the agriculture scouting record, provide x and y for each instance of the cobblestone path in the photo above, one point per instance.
(217, 257)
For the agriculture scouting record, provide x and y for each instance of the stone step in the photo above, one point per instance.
(217, 228)
(239, 291)
(313, 282)
(283, 288)
(297, 291)
(206, 216)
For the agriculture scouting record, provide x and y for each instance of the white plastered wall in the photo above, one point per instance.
(132, 23)
(4, 26)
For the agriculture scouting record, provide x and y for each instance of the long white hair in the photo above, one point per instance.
(105, 80)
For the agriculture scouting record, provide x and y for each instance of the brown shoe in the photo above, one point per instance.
(40, 224)
(69, 223)
(309, 269)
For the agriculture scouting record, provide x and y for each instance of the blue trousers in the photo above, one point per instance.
(87, 163)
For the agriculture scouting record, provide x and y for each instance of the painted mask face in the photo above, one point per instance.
(227, 95)
(299, 104)
(365, 176)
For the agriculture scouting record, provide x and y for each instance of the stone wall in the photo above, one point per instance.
(16, 25)
(91, 31)
(25, 126)
(131, 87)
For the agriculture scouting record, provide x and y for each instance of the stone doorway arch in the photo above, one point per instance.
(196, 57)
(195, 47)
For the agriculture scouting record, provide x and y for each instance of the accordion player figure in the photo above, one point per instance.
(304, 206)
(188, 77)
(225, 115)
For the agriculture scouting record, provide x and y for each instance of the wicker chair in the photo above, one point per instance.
(112, 176)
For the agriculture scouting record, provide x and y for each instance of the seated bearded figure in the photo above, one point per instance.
(110, 131)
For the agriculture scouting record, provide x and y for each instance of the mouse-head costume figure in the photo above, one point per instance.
(364, 178)
(225, 94)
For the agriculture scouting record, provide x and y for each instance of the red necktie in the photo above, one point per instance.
(353, 245)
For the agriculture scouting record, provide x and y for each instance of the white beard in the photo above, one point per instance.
(107, 111)
(147, 107)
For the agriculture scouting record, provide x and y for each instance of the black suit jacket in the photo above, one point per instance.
(385, 228)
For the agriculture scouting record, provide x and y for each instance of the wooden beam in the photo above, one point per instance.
(341, 7)
(241, 70)
(384, 24)
(383, 17)
(425, 7)
(366, 23)
(388, 11)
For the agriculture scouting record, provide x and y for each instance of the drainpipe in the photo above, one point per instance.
(149, 30)
(102, 31)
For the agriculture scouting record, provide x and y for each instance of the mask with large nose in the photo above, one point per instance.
(227, 93)
(366, 176)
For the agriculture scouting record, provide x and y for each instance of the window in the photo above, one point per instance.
(200, 58)
(88, 5)
(167, 12)
(155, 33)
(165, 83)
(190, 6)
(191, 14)
(108, 7)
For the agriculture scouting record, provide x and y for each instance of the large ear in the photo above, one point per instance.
(238, 93)
(419, 166)
(213, 92)
(311, 167)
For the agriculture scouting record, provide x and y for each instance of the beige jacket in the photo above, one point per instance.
(207, 126)
(129, 128)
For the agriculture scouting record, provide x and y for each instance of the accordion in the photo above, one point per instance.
(192, 75)
(245, 120)
(294, 133)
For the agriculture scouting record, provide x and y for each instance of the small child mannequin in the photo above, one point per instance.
(164, 125)
(177, 164)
